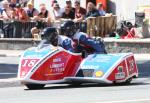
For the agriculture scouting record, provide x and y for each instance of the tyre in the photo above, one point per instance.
(128, 81)
(35, 86)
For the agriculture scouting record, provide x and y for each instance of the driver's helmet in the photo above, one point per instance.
(68, 29)
(50, 35)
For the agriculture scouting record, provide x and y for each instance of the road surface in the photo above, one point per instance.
(137, 92)
(8, 67)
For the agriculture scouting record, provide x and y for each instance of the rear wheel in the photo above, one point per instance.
(35, 86)
(128, 81)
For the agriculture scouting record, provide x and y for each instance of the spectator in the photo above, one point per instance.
(100, 9)
(21, 15)
(31, 11)
(91, 10)
(43, 16)
(13, 3)
(69, 3)
(7, 13)
(56, 12)
(24, 2)
(68, 14)
(79, 12)
(53, 2)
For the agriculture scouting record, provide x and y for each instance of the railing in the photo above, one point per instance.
(99, 26)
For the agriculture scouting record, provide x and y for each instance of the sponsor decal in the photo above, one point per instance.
(88, 72)
(131, 67)
(89, 67)
(120, 74)
(99, 74)
(57, 66)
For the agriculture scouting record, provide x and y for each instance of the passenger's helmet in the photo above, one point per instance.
(50, 34)
(68, 28)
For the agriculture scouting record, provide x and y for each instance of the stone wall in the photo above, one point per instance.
(112, 45)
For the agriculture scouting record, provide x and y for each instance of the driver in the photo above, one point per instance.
(50, 36)
(81, 39)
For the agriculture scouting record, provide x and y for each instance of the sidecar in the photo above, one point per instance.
(106, 68)
(47, 64)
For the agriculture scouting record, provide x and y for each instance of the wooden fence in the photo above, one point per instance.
(101, 26)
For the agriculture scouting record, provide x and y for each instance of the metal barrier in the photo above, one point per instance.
(16, 29)
(94, 26)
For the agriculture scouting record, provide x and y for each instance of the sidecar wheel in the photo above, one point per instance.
(35, 86)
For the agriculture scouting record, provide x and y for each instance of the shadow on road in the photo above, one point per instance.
(91, 85)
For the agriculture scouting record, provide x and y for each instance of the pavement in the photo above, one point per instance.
(16, 53)
(10, 53)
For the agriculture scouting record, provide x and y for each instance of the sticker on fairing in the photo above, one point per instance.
(120, 74)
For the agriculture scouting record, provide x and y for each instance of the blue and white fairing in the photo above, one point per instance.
(105, 68)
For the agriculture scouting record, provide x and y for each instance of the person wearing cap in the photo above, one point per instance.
(79, 12)
(56, 12)
(31, 11)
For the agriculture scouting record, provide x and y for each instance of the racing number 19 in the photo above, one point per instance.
(29, 63)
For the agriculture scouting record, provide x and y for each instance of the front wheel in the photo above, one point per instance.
(35, 86)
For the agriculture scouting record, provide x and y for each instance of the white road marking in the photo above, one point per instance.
(126, 101)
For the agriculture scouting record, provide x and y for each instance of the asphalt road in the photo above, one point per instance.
(8, 67)
(137, 92)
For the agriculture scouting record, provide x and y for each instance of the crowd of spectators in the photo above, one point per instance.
(14, 10)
